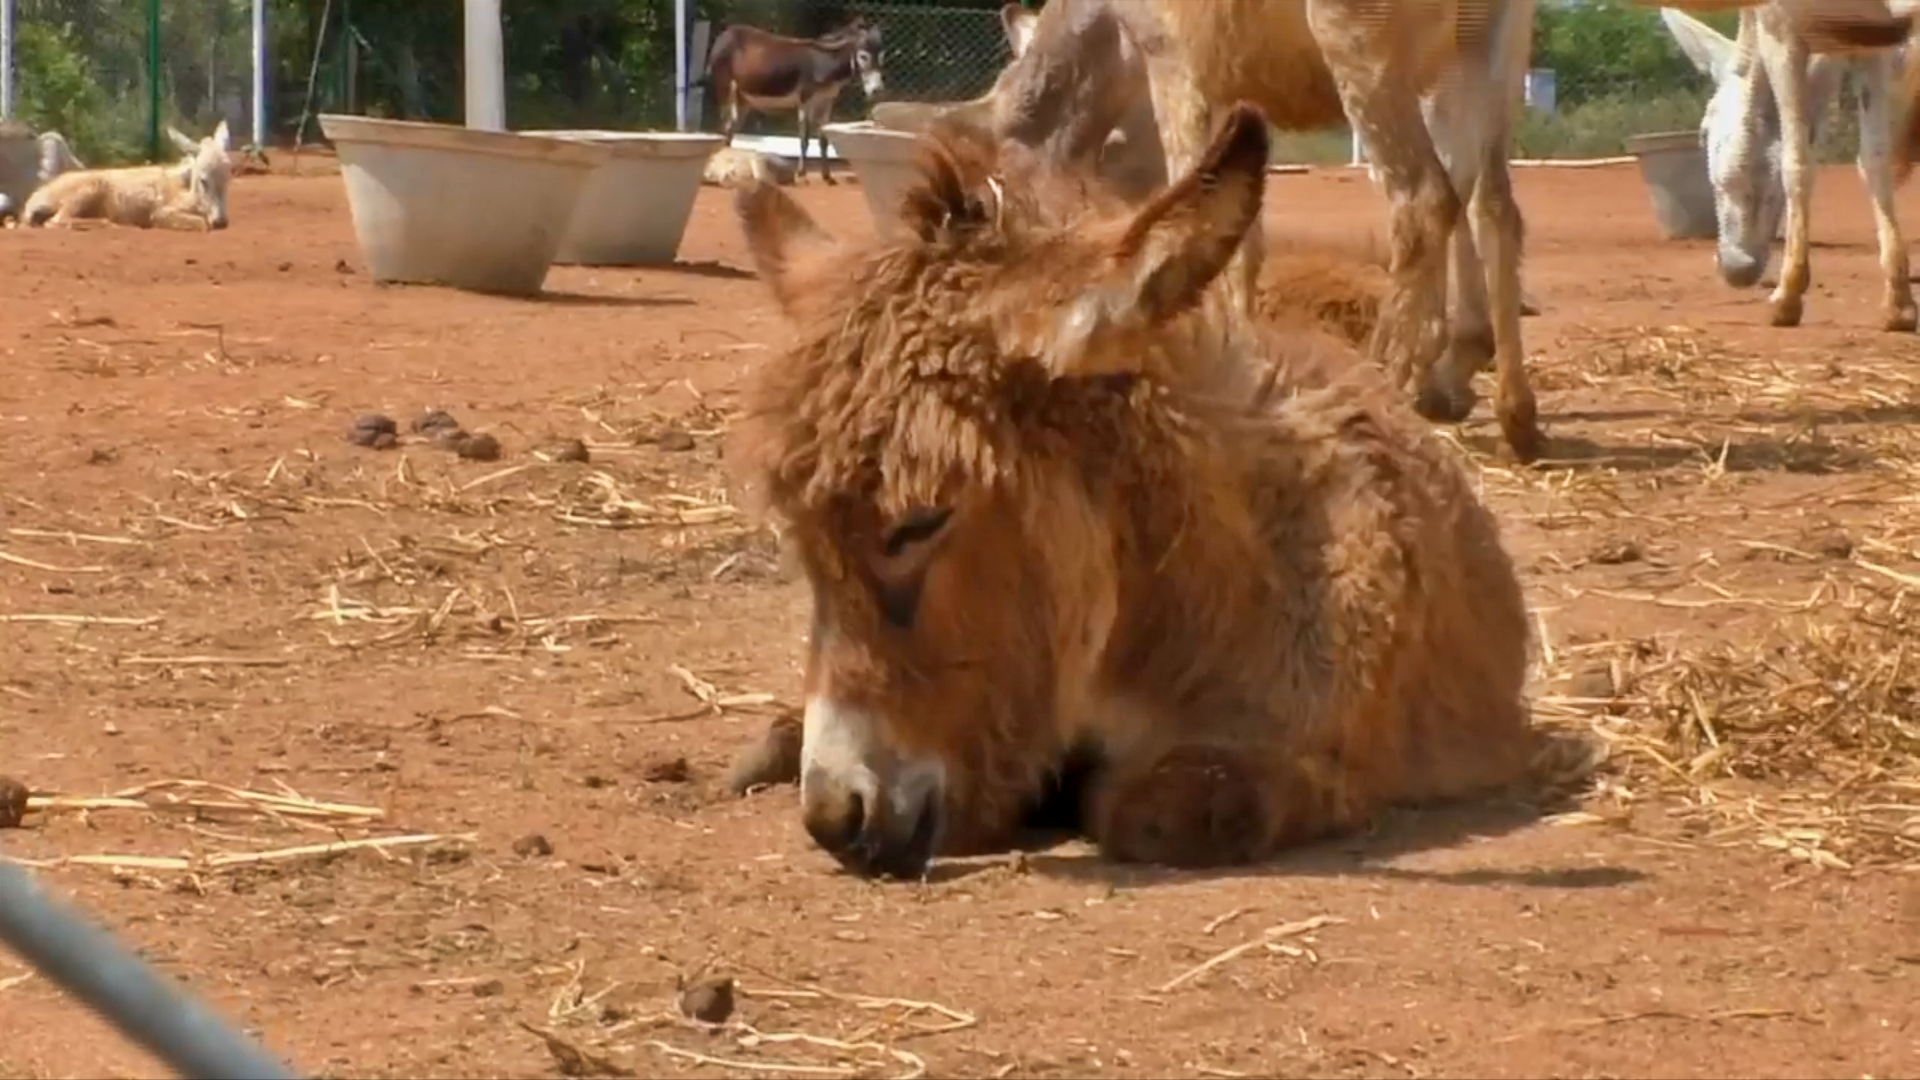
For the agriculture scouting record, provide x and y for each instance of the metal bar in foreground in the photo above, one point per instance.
(115, 983)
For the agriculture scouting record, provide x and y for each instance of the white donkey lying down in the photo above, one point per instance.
(191, 193)
(1772, 86)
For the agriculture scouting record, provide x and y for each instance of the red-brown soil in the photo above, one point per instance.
(489, 650)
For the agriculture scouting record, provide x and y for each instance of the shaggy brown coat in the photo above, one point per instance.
(1057, 506)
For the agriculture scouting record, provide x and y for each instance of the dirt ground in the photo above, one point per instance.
(202, 580)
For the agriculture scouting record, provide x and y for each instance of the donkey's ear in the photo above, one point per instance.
(1018, 22)
(1175, 247)
(222, 138)
(182, 142)
(781, 237)
(1710, 50)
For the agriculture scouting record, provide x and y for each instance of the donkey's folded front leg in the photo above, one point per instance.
(1206, 805)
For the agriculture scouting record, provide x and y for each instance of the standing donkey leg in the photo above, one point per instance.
(1493, 91)
(819, 112)
(1786, 67)
(730, 93)
(1876, 72)
(801, 117)
(1425, 209)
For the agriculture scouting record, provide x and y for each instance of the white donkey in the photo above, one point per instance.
(1772, 86)
(191, 193)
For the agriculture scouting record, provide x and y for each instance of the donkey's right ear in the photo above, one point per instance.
(1710, 50)
(1173, 250)
(1018, 22)
(782, 237)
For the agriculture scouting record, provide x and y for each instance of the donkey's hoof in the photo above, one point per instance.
(1446, 405)
(1787, 310)
(1900, 318)
(1520, 427)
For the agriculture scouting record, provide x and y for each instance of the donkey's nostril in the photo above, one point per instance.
(835, 814)
(853, 819)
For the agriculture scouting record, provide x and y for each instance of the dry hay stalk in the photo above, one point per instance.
(1810, 736)
(863, 1048)
(206, 797)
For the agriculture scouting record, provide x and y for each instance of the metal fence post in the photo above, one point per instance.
(260, 67)
(153, 80)
(6, 59)
(680, 59)
(91, 965)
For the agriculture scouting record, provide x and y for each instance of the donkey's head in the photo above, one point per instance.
(1077, 90)
(869, 54)
(942, 444)
(1744, 140)
(204, 171)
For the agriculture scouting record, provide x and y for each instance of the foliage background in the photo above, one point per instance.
(81, 67)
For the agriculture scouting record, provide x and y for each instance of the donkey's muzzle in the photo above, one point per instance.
(870, 832)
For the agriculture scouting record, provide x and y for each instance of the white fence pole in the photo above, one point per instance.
(679, 63)
(259, 72)
(6, 59)
(486, 67)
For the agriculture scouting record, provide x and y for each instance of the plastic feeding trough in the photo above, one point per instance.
(636, 205)
(883, 159)
(484, 211)
(917, 116)
(1673, 165)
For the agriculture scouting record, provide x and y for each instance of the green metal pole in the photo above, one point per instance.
(153, 80)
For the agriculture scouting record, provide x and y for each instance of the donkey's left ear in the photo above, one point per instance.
(782, 238)
(222, 138)
(1176, 246)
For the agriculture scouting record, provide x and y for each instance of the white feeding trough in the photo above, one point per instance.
(484, 211)
(1674, 167)
(883, 159)
(635, 207)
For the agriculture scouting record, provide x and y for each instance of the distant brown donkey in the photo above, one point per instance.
(1059, 507)
(756, 70)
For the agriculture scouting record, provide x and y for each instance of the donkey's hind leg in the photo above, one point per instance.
(1877, 72)
(816, 114)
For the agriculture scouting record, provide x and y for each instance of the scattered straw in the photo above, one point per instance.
(871, 1048)
(1714, 1017)
(213, 864)
(1807, 739)
(1270, 936)
(208, 798)
(81, 620)
(35, 564)
(206, 660)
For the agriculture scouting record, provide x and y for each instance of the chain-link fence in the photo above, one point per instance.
(103, 71)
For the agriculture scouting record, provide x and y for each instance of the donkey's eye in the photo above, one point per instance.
(917, 527)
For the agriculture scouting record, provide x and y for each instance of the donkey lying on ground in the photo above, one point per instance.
(1772, 87)
(1060, 509)
(189, 194)
(757, 70)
